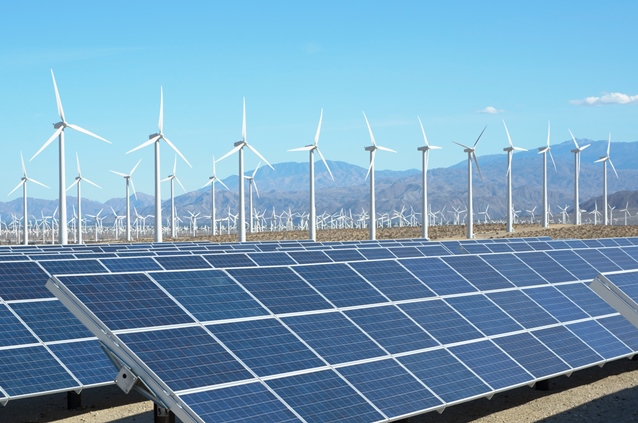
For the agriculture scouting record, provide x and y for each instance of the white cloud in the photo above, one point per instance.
(609, 98)
(491, 110)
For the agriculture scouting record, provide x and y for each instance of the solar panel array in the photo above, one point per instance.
(327, 334)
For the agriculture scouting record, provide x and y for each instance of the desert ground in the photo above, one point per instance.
(600, 394)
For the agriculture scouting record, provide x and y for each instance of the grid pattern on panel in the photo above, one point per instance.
(558, 305)
(438, 276)
(622, 259)
(586, 299)
(62, 267)
(514, 269)
(183, 262)
(131, 264)
(392, 279)
(86, 360)
(567, 346)
(44, 317)
(627, 282)
(272, 259)
(13, 331)
(574, 263)
(522, 308)
(598, 260)
(546, 267)
(22, 281)
(229, 260)
(622, 329)
(484, 314)
(532, 354)
(599, 338)
(481, 274)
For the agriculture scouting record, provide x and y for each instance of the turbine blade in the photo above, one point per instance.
(479, 137)
(372, 154)
(602, 159)
(509, 165)
(77, 160)
(36, 182)
(24, 169)
(73, 184)
(135, 167)
(319, 128)
(613, 167)
(369, 129)
(160, 124)
(584, 147)
(235, 149)
(255, 186)
(144, 144)
(180, 183)
(462, 145)
(84, 131)
(119, 174)
(425, 138)
(259, 155)
(175, 165)
(170, 144)
(256, 169)
(92, 183)
(221, 182)
(608, 144)
(477, 165)
(49, 141)
(573, 138)
(552, 157)
(17, 186)
(326, 164)
(509, 139)
(385, 149)
(57, 98)
(133, 187)
(306, 148)
(519, 149)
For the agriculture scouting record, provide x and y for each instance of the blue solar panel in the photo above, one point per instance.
(344, 255)
(209, 294)
(500, 247)
(622, 329)
(376, 253)
(438, 276)
(522, 308)
(405, 251)
(445, 375)
(272, 259)
(392, 280)
(132, 264)
(478, 272)
(559, 306)
(243, 403)
(73, 266)
(546, 267)
(186, 357)
(22, 370)
(441, 321)
(532, 355)
(183, 262)
(266, 346)
(13, 331)
(309, 257)
(598, 260)
(568, 347)
(514, 269)
(520, 246)
(333, 337)
(86, 360)
(340, 284)
(476, 248)
(229, 260)
(324, 397)
(434, 250)
(491, 364)
(391, 328)
(45, 317)
(390, 387)
(592, 243)
(539, 245)
(620, 258)
(126, 301)
(574, 263)
(22, 281)
(586, 299)
(484, 314)
(279, 289)
(600, 339)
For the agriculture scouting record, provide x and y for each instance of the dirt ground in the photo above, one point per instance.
(607, 394)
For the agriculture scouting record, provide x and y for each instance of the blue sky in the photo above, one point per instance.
(448, 63)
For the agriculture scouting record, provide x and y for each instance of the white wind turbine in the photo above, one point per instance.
(173, 177)
(471, 154)
(239, 147)
(312, 219)
(211, 182)
(424, 199)
(544, 151)
(23, 182)
(576, 152)
(510, 151)
(155, 139)
(626, 212)
(606, 159)
(129, 181)
(59, 132)
(252, 185)
(78, 180)
(372, 149)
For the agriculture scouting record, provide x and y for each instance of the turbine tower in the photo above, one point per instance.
(372, 149)
(211, 182)
(510, 151)
(173, 177)
(78, 180)
(544, 151)
(252, 184)
(606, 159)
(576, 152)
(59, 133)
(239, 147)
(155, 139)
(471, 154)
(129, 181)
(23, 182)
(424, 200)
(312, 219)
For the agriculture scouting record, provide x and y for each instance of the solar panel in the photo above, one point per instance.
(600, 339)
(532, 354)
(392, 279)
(438, 276)
(522, 308)
(73, 266)
(441, 321)
(568, 346)
(515, 270)
(484, 314)
(22, 281)
(182, 262)
(481, 275)
(229, 260)
(546, 267)
(132, 264)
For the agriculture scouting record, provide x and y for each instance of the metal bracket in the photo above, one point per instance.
(125, 379)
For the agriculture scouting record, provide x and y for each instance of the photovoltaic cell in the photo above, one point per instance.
(441, 321)
(376, 253)
(514, 269)
(622, 329)
(598, 260)
(438, 276)
(558, 305)
(229, 260)
(272, 259)
(491, 364)
(600, 339)
(476, 248)
(500, 247)
(568, 347)
(182, 262)
(532, 355)
(340, 284)
(333, 337)
(546, 267)
(309, 257)
(390, 387)
(586, 299)
(22, 281)
(391, 328)
(86, 360)
(280, 289)
(392, 279)
(324, 397)
(242, 403)
(405, 251)
(433, 250)
(478, 272)
(186, 357)
(131, 264)
(522, 309)
(619, 257)
(13, 331)
(574, 263)
(266, 346)
(50, 321)
(484, 314)
(344, 255)
(73, 266)
(626, 282)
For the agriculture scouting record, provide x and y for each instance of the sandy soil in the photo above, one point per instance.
(598, 394)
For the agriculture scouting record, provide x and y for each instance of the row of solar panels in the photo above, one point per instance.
(369, 340)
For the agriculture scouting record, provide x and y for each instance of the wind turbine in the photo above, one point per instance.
(372, 149)
(606, 159)
(424, 199)
(239, 147)
(129, 181)
(173, 177)
(78, 180)
(510, 151)
(312, 219)
(471, 154)
(23, 182)
(59, 132)
(155, 139)
(211, 182)
(252, 184)
(576, 152)
(544, 151)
